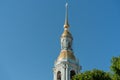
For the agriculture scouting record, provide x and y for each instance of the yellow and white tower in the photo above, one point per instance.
(66, 65)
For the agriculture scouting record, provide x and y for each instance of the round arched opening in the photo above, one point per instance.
(58, 75)
(72, 73)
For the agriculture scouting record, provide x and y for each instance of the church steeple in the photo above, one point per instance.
(66, 65)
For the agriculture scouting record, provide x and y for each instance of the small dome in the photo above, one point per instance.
(66, 33)
(66, 55)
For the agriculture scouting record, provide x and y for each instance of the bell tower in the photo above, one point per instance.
(66, 65)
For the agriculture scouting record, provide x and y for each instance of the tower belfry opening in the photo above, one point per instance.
(66, 65)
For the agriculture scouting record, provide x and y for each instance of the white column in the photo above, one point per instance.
(54, 73)
(67, 73)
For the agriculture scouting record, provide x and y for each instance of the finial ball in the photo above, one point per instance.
(66, 4)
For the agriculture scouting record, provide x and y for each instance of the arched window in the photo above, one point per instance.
(72, 73)
(58, 75)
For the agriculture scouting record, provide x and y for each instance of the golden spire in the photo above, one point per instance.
(66, 25)
(66, 32)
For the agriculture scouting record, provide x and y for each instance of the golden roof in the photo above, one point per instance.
(66, 33)
(66, 55)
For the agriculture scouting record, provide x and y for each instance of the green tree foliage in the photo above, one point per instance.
(101, 75)
(115, 67)
(93, 75)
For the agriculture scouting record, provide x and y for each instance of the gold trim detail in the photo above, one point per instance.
(66, 33)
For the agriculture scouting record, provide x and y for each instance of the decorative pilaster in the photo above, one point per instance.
(67, 72)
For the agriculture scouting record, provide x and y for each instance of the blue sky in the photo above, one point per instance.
(30, 35)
